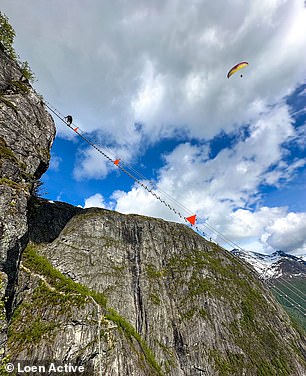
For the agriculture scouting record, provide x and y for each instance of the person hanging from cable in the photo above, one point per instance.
(68, 119)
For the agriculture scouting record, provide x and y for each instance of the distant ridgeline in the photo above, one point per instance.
(285, 274)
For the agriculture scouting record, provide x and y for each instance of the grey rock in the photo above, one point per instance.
(196, 307)
(26, 135)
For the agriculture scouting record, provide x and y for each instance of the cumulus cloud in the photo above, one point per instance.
(221, 190)
(89, 166)
(94, 164)
(163, 64)
(288, 233)
(55, 162)
(235, 173)
(95, 201)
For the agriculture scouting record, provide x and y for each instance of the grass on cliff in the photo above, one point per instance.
(55, 278)
(59, 293)
(130, 332)
(202, 275)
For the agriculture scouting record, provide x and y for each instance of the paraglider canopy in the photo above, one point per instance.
(236, 68)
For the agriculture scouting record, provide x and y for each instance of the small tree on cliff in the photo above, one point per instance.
(7, 35)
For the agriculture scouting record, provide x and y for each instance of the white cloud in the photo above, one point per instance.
(90, 166)
(247, 224)
(95, 201)
(288, 233)
(234, 174)
(55, 162)
(163, 64)
(139, 201)
(220, 190)
(302, 93)
(94, 164)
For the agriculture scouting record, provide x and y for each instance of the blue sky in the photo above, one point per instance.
(147, 81)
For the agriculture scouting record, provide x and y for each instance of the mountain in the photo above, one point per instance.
(285, 274)
(119, 294)
(278, 264)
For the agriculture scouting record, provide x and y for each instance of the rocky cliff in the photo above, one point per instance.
(26, 135)
(121, 294)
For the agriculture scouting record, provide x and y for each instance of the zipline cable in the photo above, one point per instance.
(157, 193)
(119, 166)
(291, 301)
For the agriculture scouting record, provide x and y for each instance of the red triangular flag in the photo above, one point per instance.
(191, 219)
(75, 129)
(116, 162)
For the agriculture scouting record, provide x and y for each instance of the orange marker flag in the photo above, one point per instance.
(191, 219)
(75, 129)
(116, 162)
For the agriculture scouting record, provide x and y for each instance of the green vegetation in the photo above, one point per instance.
(199, 274)
(19, 87)
(4, 360)
(6, 152)
(2, 305)
(57, 294)
(8, 103)
(153, 273)
(27, 72)
(263, 349)
(155, 299)
(10, 183)
(3, 363)
(169, 363)
(7, 36)
(37, 190)
(56, 279)
(199, 286)
(130, 332)
(230, 365)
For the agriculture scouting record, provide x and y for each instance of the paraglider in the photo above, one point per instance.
(236, 68)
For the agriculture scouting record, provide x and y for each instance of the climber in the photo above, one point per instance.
(68, 119)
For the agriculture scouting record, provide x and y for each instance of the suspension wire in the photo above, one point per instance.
(127, 168)
(158, 193)
(119, 166)
(299, 293)
(300, 111)
(300, 296)
(294, 287)
(291, 301)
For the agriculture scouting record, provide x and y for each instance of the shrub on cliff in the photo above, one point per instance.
(7, 36)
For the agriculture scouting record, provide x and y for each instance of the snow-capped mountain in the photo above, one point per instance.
(278, 264)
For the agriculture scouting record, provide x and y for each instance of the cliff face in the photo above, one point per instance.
(159, 299)
(26, 135)
(122, 295)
